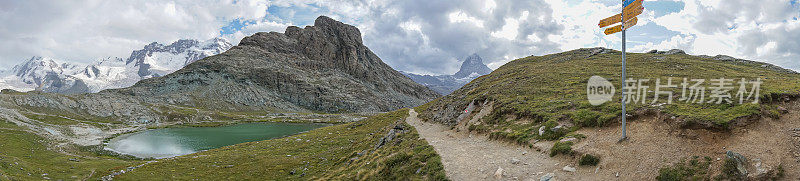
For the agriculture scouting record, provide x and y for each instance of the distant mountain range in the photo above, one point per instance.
(320, 68)
(471, 68)
(154, 60)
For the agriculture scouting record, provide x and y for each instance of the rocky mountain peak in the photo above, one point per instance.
(43, 71)
(472, 65)
(323, 68)
(217, 44)
(182, 45)
(471, 68)
(327, 44)
(348, 33)
(34, 64)
(156, 59)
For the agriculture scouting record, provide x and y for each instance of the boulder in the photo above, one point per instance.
(740, 160)
(541, 130)
(499, 173)
(782, 110)
(569, 169)
(568, 139)
(555, 129)
(547, 177)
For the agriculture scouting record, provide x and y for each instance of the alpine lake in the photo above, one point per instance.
(170, 142)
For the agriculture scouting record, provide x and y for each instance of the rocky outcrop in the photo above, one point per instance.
(670, 52)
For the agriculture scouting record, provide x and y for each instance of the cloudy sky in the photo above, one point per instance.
(421, 36)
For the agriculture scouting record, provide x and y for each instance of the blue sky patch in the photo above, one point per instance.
(650, 32)
(662, 8)
(300, 16)
(234, 26)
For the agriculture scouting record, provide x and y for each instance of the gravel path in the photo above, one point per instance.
(475, 157)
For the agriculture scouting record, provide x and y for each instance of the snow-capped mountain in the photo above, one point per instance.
(43, 73)
(157, 60)
(471, 68)
(49, 75)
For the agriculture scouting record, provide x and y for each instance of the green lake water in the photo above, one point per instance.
(169, 142)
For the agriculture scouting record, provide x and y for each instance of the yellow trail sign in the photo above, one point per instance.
(613, 30)
(625, 26)
(629, 14)
(633, 13)
(630, 23)
(610, 20)
(633, 6)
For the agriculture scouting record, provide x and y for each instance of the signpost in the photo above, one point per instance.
(627, 18)
(630, 23)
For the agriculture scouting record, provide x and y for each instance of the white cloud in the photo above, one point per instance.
(87, 30)
(259, 26)
(429, 37)
(757, 30)
(421, 36)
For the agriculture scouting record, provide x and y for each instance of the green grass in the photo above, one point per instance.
(692, 169)
(6, 124)
(25, 156)
(541, 90)
(51, 119)
(339, 152)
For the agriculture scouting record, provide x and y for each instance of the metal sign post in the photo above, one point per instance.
(630, 9)
(624, 115)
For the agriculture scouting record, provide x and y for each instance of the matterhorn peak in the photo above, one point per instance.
(472, 65)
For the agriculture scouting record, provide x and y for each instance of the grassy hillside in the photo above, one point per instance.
(26, 156)
(550, 90)
(340, 152)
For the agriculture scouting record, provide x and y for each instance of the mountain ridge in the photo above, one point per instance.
(472, 67)
(153, 60)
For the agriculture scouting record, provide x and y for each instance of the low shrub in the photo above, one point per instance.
(729, 170)
(561, 148)
(589, 160)
(694, 169)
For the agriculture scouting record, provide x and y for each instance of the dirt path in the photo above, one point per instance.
(475, 157)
